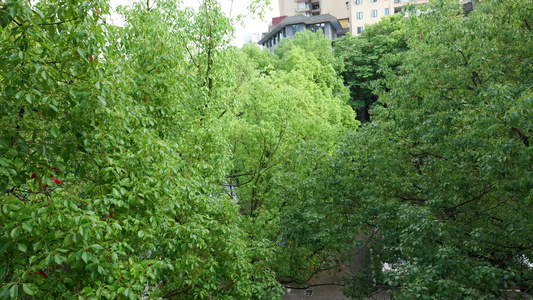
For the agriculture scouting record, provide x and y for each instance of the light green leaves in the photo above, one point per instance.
(28, 289)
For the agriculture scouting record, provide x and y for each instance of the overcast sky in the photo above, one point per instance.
(239, 7)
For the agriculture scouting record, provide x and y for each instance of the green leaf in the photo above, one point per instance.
(102, 100)
(97, 247)
(82, 53)
(14, 291)
(58, 259)
(67, 240)
(19, 94)
(15, 232)
(85, 256)
(28, 289)
(4, 19)
(13, 12)
(37, 246)
(39, 12)
(4, 162)
(22, 247)
(27, 226)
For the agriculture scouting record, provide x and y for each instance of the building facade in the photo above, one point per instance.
(334, 17)
(340, 9)
(368, 12)
(353, 15)
(287, 27)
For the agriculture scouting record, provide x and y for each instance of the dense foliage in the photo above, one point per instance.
(112, 156)
(441, 178)
(154, 160)
(361, 56)
(289, 120)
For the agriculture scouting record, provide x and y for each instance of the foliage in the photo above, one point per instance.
(112, 158)
(361, 56)
(288, 120)
(441, 179)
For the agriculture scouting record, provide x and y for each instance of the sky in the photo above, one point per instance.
(252, 24)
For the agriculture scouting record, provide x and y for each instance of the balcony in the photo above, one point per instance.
(303, 7)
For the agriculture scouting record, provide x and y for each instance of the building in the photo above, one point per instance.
(287, 27)
(368, 12)
(335, 17)
(253, 37)
(340, 9)
(353, 15)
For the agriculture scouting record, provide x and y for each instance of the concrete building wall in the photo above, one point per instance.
(336, 8)
(367, 12)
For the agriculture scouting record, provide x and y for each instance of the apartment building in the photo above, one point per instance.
(338, 8)
(287, 27)
(334, 17)
(367, 12)
(352, 14)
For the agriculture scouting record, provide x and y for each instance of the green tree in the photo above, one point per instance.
(441, 179)
(287, 121)
(361, 57)
(112, 155)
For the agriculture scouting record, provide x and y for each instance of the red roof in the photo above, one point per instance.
(277, 20)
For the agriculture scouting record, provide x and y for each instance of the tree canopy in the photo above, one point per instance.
(153, 160)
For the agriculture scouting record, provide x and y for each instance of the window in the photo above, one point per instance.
(348, 5)
(374, 13)
(373, 1)
(386, 11)
(316, 27)
(358, 2)
(359, 30)
(295, 28)
(359, 15)
(304, 5)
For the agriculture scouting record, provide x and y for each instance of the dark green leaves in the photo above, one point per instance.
(5, 18)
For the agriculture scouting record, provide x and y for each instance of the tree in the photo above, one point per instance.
(112, 158)
(441, 179)
(361, 57)
(288, 120)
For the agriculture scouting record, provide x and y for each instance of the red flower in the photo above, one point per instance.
(46, 186)
(121, 277)
(55, 169)
(145, 101)
(56, 180)
(90, 57)
(231, 283)
(96, 9)
(420, 36)
(33, 176)
(44, 274)
(111, 215)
